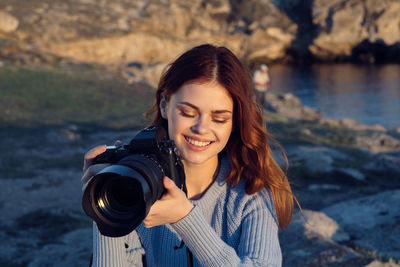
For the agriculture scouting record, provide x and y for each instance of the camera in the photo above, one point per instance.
(119, 197)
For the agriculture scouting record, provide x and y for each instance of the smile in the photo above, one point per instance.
(197, 143)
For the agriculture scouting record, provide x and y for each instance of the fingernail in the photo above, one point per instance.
(167, 180)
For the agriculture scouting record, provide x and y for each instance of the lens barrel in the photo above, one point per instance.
(120, 196)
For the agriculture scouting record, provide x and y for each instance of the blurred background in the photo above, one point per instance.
(79, 73)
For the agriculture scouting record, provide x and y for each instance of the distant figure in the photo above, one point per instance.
(261, 83)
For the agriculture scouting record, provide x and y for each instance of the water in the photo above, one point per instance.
(367, 93)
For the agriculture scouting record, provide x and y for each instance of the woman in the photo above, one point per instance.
(237, 195)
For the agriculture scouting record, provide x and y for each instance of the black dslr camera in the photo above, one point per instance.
(119, 197)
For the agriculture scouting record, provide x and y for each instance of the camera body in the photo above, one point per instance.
(119, 197)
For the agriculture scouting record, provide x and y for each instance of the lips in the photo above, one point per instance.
(197, 143)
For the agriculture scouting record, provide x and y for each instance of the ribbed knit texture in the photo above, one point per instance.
(227, 227)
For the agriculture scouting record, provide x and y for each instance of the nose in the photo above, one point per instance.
(202, 126)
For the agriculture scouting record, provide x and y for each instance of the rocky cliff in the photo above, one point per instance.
(149, 31)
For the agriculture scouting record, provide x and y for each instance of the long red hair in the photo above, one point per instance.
(248, 147)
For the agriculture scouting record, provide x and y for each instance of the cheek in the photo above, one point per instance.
(225, 133)
(175, 125)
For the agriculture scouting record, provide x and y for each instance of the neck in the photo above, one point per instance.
(199, 177)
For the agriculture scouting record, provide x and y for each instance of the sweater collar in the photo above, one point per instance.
(208, 199)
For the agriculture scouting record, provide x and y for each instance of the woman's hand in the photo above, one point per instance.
(90, 170)
(172, 207)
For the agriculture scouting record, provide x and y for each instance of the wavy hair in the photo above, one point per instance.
(248, 147)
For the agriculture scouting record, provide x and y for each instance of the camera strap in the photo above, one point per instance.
(189, 254)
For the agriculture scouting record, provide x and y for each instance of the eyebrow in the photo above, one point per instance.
(196, 108)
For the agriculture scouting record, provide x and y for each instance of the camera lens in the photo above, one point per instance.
(123, 193)
(119, 197)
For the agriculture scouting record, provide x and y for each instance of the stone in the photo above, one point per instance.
(318, 225)
(387, 24)
(319, 187)
(377, 263)
(8, 23)
(316, 158)
(344, 26)
(290, 106)
(385, 162)
(378, 142)
(310, 241)
(356, 174)
(373, 221)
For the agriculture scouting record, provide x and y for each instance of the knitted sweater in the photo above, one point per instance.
(226, 227)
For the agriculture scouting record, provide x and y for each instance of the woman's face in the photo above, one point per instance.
(199, 121)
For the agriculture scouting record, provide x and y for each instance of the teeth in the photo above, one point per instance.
(197, 143)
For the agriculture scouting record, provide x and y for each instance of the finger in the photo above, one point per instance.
(169, 184)
(91, 154)
(148, 221)
(172, 190)
(95, 151)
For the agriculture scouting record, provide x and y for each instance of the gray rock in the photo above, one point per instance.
(74, 249)
(319, 187)
(356, 174)
(385, 162)
(318, 225)
(373, 222)
(310, 240)
(316, 158)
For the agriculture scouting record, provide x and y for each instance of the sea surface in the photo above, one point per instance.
(369, 94)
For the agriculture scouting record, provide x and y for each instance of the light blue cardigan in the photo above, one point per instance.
(226, 227)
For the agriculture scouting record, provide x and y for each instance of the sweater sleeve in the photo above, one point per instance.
(120, 251)
(258, 243)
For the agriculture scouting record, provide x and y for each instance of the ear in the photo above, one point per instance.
(163, 108)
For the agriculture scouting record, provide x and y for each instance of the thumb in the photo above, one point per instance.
(89, 156)
(169, 185)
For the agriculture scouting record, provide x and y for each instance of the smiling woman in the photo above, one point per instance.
(199, 119)
(237, 195)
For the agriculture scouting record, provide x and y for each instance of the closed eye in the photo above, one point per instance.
(187, 114)
(220, 120)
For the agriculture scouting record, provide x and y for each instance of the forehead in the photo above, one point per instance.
(209, 95)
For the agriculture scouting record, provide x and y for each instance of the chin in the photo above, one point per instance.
(196, 159)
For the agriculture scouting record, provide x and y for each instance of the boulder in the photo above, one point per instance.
(8, 23)
(385, 162)
(351, 124)
(377, 263)
(378, 142)
(317, 159)
(386, 25)
(290, 107)
(372, 221)
(312, 240)
(362, 30)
